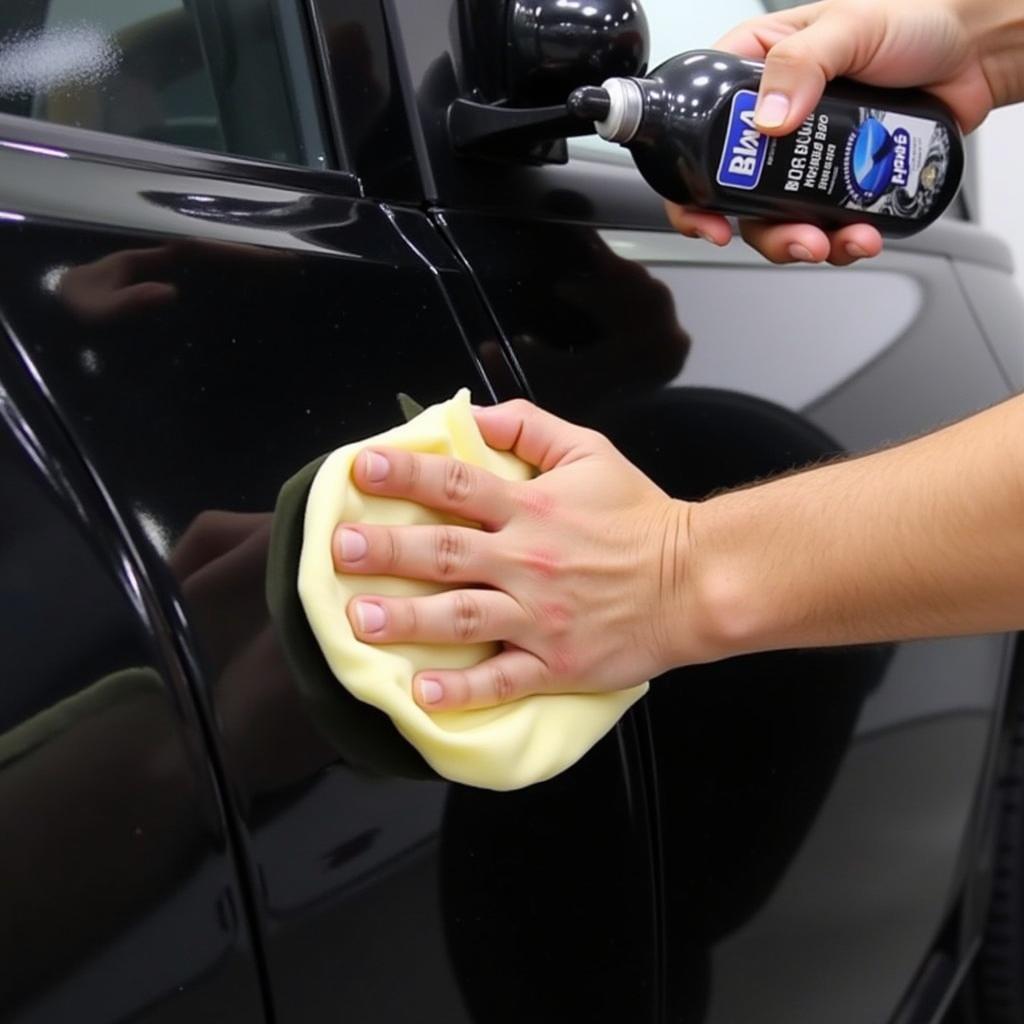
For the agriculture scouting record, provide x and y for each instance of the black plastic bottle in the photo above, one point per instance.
(888, 157)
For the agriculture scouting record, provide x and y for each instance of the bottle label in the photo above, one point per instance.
(858, 158)
(745, 147)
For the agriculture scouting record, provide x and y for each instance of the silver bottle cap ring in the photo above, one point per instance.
(625, 110)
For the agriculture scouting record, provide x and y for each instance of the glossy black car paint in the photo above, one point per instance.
(864, 745)
(273, 339)
(778, 776)
(118, 860)
(550, 47)
(775, 838)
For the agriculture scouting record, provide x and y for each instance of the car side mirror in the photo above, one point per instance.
(524, 58)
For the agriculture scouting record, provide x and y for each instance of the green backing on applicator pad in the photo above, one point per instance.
(361, 733)
(361, 694)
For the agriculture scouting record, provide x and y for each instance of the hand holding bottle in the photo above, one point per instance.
(968, 53)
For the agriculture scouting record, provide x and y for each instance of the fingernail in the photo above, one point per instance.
(372, 618)
(353, 545)
(376, 466)
(801, 253)
(431, 691)
(771, 110)
(707, 237)
(858, 252)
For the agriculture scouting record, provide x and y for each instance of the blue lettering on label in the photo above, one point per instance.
(901, 157)
(745, 147)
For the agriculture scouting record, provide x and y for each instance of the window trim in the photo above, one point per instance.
(18, 132)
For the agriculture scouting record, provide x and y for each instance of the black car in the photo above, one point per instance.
(231, 231)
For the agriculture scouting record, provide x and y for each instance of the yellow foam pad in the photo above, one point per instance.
(504, 747)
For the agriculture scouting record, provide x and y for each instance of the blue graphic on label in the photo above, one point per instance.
(745, 147)
(877, 159)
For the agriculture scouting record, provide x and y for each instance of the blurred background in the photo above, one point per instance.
(1001, 149)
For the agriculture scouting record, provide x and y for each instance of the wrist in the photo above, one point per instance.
(703, 608)
(728, 604)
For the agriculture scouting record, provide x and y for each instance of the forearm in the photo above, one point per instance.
(925, 539)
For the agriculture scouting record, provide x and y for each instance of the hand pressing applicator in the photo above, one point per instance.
(360, 694)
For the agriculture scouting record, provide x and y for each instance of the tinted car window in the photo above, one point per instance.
(223, 75)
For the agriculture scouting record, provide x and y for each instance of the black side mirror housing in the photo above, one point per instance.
(554, 47)
(529, 55)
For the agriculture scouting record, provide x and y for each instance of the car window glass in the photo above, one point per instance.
(223, 75)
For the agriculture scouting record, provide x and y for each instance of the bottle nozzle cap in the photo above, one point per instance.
(590, 103)
(616, 108)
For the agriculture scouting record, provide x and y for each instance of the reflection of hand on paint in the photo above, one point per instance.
(113, 752)
(220, 562)
(607, 323)
(120, 285)
(132, 282)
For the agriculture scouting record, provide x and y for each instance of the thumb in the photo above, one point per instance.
(797, 68)
(536, 436)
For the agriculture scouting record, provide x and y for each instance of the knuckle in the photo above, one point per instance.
(554, 617)
(449, 550)
(562, 663)
(789, 55)
(535, 503)
(409, 470)
(520, 406)
(391, 549)
(458, 481)
(593, 440)
(468, 618)
(541, 563)
(501, 684)
(414, 473)
(405, 617)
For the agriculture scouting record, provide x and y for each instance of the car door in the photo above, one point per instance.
(119, 896)
(216, 268)
(818, 811)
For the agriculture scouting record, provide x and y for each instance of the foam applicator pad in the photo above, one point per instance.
(502, 748)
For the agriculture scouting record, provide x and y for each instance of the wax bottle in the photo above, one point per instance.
(888, 157)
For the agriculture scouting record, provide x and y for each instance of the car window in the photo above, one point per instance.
(223, 75)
